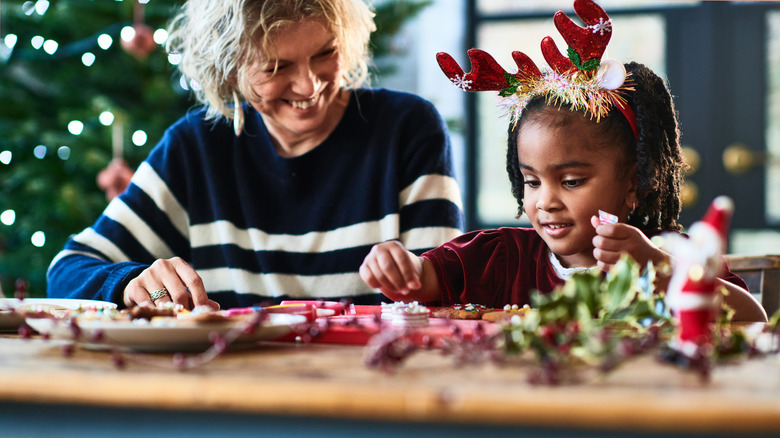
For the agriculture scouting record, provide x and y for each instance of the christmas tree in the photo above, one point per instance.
(84, 82)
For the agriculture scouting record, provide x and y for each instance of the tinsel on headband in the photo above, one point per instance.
(580, 80)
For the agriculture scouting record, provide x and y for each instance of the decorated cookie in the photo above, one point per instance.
(461, 311)
(506, 313)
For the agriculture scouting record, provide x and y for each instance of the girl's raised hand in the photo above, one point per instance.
(393, 270)
(612, 240)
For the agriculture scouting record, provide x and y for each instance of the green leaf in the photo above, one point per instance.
(621, 284)
(591, 64)
(588, 65)
(574, 57)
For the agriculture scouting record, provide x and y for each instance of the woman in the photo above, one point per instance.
(287, 199)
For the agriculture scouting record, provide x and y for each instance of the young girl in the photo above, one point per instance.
(566, 161)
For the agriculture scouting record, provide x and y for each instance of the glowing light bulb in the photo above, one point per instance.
(105, 41)
(8, 217)
(10, 40)
(50, 46)
(63, 152)
(139, 138)
(28, 8)
(160, 36)
(38, 238)
(41, 6)
(174, 58)
(39, 151)
(106, 118)
(127, 33)
(88, 59)
(75, 127)
(37, 41)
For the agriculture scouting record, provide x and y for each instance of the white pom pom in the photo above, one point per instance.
(611, 74)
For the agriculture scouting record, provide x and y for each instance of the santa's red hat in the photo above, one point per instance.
(718, 216)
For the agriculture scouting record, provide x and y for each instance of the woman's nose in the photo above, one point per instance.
(305, 82)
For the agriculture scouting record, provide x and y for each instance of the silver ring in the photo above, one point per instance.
(159, 293)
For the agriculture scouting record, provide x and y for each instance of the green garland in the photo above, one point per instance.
(590, 320)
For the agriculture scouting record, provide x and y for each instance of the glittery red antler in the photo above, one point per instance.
(486, 74)
(586, 44)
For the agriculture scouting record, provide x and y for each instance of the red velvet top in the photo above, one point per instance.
(501, 266)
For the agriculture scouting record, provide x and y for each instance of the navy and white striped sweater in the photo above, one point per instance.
(259, 227)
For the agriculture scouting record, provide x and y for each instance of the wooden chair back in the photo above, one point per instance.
(762, 275)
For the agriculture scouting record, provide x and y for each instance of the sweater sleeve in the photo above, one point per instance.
(472, 268)
(430, 202)
(141, 225)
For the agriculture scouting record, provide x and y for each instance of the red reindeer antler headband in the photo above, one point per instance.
(581, 80)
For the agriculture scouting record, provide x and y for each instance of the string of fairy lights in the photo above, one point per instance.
(40, 46)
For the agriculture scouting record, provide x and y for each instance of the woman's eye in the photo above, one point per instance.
(532, 184)
(272, 68)
(327, 53)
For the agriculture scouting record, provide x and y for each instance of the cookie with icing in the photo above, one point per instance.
(505, 314)
(461, 311)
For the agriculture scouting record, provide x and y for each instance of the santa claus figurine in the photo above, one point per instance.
(694, 295)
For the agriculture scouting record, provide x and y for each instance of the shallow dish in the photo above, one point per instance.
(172, 336)
(10, 320)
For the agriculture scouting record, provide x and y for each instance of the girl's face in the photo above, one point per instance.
(570, 174)
(297, 101)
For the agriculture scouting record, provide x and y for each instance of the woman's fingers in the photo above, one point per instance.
(192, 292)
(136, 295)
(168, 281)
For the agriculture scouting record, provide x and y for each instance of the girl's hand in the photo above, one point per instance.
(183, 284)
(612, 240)
(393, 270)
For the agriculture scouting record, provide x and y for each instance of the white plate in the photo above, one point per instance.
(10, 320)
(178, 337)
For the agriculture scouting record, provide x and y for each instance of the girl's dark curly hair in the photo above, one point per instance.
(656, 153)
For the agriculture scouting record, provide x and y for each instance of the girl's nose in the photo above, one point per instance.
(547, 200)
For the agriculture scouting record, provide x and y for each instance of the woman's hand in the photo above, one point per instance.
(177, 277)
(612, 240)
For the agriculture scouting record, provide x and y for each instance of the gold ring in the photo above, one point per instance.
(159, 293)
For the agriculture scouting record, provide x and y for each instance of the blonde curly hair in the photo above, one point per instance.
(219, 40)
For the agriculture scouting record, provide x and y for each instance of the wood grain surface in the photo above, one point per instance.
(331, 381)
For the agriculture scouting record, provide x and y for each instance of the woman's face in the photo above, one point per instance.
(296, 101)
(570, 174)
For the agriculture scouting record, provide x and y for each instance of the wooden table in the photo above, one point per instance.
(325, 390)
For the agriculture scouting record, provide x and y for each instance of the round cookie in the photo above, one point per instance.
(461, 311)
(506, 314)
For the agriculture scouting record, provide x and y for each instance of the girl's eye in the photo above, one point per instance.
(571, 183)
(532, 184)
